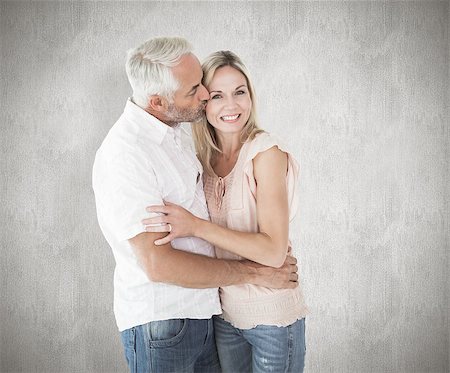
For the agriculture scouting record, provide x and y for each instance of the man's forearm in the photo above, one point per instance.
(198, 271)
(166, 264)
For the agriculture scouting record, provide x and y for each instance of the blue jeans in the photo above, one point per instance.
(178, 345)
(264, 348)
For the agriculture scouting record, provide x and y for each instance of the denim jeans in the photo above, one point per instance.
(264, 348)
(178, 345)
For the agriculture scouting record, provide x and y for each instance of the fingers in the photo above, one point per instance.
(155, 220)
(163, 209)
(290, 260)
(158, 228)
(163, 241)
(293, 277)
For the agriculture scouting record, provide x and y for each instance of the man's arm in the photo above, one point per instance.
(166, 264)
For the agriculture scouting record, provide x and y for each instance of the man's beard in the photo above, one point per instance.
(178, 115)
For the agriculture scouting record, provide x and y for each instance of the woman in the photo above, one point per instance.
(250, 187)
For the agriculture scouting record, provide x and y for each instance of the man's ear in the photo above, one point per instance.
(158, 103)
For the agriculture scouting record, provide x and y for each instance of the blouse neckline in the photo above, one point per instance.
(220, 181)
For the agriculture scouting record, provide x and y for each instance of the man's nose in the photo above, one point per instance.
(203, 93)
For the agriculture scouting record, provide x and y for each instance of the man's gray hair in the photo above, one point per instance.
(149, 68)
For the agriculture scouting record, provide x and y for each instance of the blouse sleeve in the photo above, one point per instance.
(261, 143)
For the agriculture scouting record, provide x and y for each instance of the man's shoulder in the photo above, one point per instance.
(125, 138)
(122, 152)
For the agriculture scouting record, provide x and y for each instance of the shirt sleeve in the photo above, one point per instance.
(133, 186)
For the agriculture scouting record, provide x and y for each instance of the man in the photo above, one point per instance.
(164, 296)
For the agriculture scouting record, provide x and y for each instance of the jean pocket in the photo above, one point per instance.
(166, 333)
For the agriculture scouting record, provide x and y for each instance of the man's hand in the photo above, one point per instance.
(285, 277)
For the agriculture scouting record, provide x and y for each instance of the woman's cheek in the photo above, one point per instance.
(210, 112)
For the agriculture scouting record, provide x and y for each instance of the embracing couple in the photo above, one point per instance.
(204, 280)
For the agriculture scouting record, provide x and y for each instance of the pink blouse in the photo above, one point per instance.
(232, 203)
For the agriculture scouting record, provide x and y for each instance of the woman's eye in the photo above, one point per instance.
(215, 97)
(240, 92)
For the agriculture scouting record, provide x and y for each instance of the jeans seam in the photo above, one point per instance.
(290, 340)
(133, 333)
(209, 331)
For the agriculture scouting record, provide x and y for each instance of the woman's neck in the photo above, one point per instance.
(229, 144)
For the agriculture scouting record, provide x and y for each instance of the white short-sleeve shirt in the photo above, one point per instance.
(142, 162)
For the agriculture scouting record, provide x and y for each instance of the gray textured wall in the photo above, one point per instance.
(360, 91)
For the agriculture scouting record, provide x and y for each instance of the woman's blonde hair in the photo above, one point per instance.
(203, 132)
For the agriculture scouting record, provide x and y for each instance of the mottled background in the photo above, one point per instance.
(360, 90)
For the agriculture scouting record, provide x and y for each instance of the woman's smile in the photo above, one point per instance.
(230, 118)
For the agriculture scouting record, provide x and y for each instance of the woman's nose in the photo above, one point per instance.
(230, 101)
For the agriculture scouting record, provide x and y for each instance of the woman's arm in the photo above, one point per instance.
(269, 246)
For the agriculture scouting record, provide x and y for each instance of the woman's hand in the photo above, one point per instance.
(174, 219)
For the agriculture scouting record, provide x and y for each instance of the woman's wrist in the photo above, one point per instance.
(199, 227)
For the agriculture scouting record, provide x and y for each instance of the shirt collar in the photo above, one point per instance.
(150, 123)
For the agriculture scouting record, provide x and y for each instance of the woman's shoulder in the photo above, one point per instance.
(262, 142)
